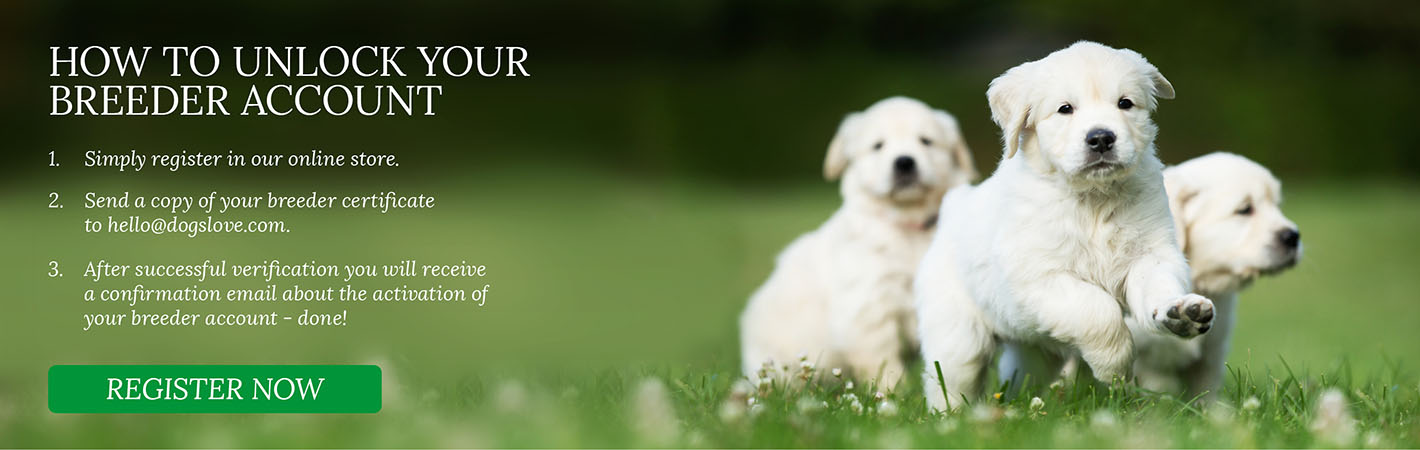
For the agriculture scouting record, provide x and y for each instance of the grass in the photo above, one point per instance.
(1272, 407)
(585, 266)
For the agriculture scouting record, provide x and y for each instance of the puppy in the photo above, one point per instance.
(840, 295)
(1070, 235)
(1228, 219)
(1227, 210)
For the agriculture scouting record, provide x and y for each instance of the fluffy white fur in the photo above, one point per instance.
(1062, 242)
(1230, 224)
(1228, 216)
(840, 295)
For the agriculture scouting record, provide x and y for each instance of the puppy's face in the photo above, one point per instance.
(899, 150)
(1227, 210)
(1082, 111)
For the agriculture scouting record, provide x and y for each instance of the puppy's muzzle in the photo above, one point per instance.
(1286, 251)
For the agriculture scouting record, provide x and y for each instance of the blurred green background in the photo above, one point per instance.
(630, 194)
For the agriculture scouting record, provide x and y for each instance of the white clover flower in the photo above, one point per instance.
(837, 373)
(810, 405)
(1374, 439)
(766, 369)
(985, 413)
(1036, 404)
(732, 411)
(853, 403)
(806, 365)
(947, 425)
(848, 385)
(1333, 422)
(887, 408)
(510, 396)
(654, 417)
(879, 396)
(1251, 404)
(1104, 421)
(1219, 414)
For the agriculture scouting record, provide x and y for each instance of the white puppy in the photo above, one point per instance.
(1229, 222)
(1068, 236)
(840, 295)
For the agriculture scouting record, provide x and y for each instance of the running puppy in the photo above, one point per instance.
(1228, 216)
(1070, 235)
(840, 295)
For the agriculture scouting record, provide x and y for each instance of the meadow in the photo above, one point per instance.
(611, 322)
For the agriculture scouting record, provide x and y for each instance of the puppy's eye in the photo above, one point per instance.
(1066, 109)
(925, 141)
(877, 146)
(1246, 210)
(1125, 103)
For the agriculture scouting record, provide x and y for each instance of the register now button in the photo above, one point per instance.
(214, 389)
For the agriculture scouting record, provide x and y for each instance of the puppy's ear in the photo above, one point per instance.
(837, 159)
(961, 154)
(1009, 97)
(1180, 193)
(1161, 86)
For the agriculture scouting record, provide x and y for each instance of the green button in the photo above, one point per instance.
(220, 389)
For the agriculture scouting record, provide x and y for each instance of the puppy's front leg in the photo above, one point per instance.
(1086, 317)
(866, 330)
(1157, 291)
(1206, 376)
(957, 343)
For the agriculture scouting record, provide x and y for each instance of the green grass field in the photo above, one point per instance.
(603, 282)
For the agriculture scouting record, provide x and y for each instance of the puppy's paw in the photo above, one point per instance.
(1186, 316)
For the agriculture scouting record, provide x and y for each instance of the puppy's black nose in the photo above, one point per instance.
(1289, 237)
(904, 164)
(1100, 140)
